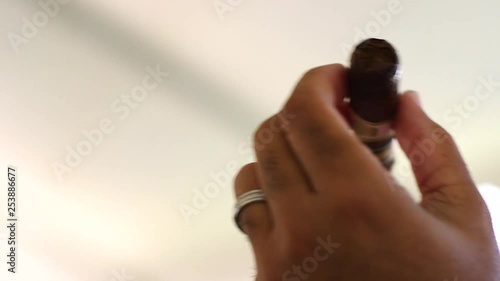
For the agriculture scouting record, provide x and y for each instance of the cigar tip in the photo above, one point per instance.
(375, 56)
(373, 80)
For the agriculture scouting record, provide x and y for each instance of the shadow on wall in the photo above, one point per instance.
(134, 50)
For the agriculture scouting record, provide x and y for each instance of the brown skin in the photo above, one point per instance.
(322, 182)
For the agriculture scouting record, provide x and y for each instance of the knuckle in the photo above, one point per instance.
(273, 175)
(299, 101)
(246, 172)
(269, 162)
(313, 83)
(296, 105)
(441, 135)
(249, 222)
(269, 159)
(268, 155)
(313, 72)
(265, 133)
(430, 140)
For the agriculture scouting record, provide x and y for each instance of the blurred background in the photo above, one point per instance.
(127, 120)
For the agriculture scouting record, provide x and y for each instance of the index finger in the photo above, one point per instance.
(318, 133)
(325, 82)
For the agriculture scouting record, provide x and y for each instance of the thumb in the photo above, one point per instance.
(441, 174)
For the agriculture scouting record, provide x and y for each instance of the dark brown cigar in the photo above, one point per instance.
(373, 94)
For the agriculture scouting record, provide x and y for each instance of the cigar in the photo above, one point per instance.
(373, 94)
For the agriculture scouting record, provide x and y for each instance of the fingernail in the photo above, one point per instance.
(415, 97)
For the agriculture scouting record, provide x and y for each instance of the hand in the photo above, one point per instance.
(333, 214)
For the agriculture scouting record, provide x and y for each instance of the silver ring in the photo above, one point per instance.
(246, 199)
